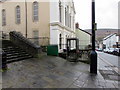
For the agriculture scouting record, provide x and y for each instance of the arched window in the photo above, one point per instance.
(35, 11)
(60, 41)
(18, 17)
(3, 17)
(65, 16)
(68, 16)
(60, 11)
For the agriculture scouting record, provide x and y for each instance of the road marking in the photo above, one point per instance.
(112, 66)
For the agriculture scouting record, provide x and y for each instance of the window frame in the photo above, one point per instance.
(18, 14)
(3, 17)
(65, 16)
(60, 41)
(60, 11)
(37, 10)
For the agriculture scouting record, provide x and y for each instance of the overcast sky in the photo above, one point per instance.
(106, 13)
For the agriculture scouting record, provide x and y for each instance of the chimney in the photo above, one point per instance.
(77, 25)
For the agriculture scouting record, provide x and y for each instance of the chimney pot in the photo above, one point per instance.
(77, 25)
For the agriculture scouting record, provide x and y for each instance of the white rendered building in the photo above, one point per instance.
(110, 40)
(62, 22)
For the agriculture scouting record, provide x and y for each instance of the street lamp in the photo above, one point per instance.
(93, 55)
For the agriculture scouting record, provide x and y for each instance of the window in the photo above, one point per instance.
(60, 11)
(65, 16)
(36, 37)
(68, 16)
(18, 17)
(3, 17)
(70, 20)
(35, 11)
(60, 40)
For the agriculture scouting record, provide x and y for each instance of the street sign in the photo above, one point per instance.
(95, 26)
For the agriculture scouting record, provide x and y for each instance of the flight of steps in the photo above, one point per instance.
(13, 52)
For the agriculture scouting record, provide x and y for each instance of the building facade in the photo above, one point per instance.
(110, 41)
(83, 36)
(49, 22)
(62, 22)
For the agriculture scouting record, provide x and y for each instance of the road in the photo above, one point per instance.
(107, 60)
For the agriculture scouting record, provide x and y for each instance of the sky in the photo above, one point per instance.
(106, 13)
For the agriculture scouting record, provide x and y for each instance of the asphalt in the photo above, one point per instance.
(53, 72)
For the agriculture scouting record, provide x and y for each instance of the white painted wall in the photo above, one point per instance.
(109, 42)
(54, 32)
(84, 38)
(54, 11)
(57, 27)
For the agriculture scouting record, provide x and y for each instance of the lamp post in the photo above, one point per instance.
(93, 55)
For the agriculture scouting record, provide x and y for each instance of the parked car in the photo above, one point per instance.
(106, 50)
(99, 49)
(118, 51)
(111, 50)
(115, 52)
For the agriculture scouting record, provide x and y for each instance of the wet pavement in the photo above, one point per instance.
(52, 72)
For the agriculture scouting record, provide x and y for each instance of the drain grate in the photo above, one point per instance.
(110, 75)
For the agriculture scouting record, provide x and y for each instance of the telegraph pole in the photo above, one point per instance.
(93, 55)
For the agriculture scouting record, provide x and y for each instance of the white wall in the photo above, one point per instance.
(110, 41)
(54, 38)
(54, 11)
(57, 27)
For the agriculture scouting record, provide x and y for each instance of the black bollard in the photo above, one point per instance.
(4, 61)
(93, 62)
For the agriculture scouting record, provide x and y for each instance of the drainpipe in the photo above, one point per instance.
(26, 18)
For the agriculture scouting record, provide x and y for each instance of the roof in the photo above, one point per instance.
(84, 31)
(109, 36)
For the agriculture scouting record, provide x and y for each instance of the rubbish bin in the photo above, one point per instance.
(52, 50)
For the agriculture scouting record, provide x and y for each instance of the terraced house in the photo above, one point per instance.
(42, 21)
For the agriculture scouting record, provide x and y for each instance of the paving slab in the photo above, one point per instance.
(52, 72)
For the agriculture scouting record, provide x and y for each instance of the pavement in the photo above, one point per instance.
(54, 72)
